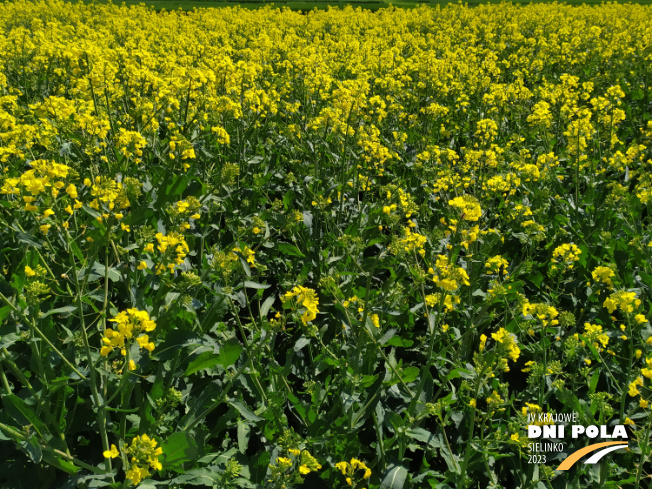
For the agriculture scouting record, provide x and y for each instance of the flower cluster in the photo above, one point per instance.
(291, 469)
(566, 255)
(409, 243)
(36, 286)
(468, 207)
(184, 210)
(447, 300)
(107, 193)
(543, 312)
(508, 342)
(247, 253)
(43, 175)
(625, 301)
(594, 334)
(604, 275)
(142, 455)
(308, 299)
(496, 265)
(307, 463)
(173, 248)
(39, 187)
(131, 143)
(129, 324)
(354, 471)
(448, 276)
(226, 262)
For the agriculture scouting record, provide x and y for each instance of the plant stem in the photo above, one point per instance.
(101, 415)
(42, 335)
(248, 347)
(5, 383)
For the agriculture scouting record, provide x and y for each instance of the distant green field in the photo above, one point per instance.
(320, 4)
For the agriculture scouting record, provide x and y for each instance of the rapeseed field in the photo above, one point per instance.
(341, 249)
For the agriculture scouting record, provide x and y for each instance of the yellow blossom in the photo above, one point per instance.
(112, 453)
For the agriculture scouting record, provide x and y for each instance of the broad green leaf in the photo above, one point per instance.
(229, 354)
(594, 381)
(424, 436)
(9, 339)
(245, 411)
(28, 239)
(536, 279)
(22, 414)
(113, 274)
(4, 312)
(410, 374)
(33, 449)
(254, 285)
(205, 476)
(394, 478)
(180, 447)
(401, 342)
(301, 342)
(244, 431)
(289, 249)
(60, 310)
(62, 464)
(287, 199)
(387, 336)
(264, 309)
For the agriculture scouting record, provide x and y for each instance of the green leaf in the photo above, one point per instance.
(264, 309)
(27, 239)
(203, 361)
(245, 411)
(22, 414)
(113, 275)
(394, 478)
(289, 249)
(180, 447)
(594, 381)
(33, 449)
(537, 279)
(301, 342)
(244, 432)
(229, 354)
(620, 483)
(253, 285)
(9, 339)
(5, 287)
(61, 310)
(200, 403)
(77, 252)
(387, 336)
(401, 342)
(206, 476)
(4, 312)
(258, 466)
(287, 199)
(424, 436)
(63, 464)
(410, 374)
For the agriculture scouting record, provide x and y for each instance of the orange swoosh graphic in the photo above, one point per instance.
(575, 456)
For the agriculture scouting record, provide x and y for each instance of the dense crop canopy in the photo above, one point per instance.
(257, 248)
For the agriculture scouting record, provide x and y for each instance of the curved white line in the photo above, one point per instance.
(595, 458)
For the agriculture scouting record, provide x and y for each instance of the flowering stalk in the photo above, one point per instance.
(101, 415)
(628, 373)
(248, 348)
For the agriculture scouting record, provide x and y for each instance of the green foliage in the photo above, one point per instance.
(268, 250)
